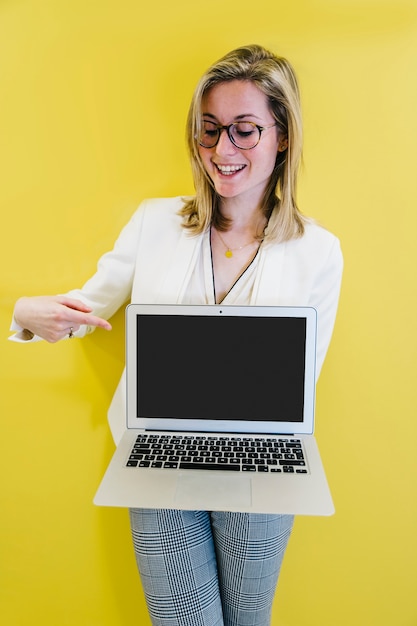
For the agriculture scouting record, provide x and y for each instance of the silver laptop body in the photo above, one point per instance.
(220, 412)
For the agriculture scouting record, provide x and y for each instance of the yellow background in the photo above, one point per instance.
(93, 100)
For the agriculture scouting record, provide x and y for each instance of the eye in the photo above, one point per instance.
(209, 129)
(244, 129)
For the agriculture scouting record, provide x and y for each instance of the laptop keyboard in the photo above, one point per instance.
(236, 454)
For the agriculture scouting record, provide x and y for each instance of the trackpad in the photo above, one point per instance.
(208, 492)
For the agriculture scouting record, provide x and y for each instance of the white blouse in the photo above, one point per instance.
(200, 289)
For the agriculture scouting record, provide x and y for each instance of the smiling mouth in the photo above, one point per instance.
(227, 170)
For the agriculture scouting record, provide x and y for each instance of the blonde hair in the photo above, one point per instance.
(275, 77)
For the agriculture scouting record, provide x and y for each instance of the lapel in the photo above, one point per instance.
(267, 286)
(181, 265)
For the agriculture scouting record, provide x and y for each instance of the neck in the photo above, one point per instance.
(246, 226)
(244, 220)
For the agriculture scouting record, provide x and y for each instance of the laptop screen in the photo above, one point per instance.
(223, 368)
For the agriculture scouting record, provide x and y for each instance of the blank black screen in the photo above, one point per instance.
(218, 367)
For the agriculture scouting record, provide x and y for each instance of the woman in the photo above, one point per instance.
(240, 240)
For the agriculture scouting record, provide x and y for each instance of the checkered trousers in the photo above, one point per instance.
(202, 568)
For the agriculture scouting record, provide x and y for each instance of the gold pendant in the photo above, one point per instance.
(228, 253)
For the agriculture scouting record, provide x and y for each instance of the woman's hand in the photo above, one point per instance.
(53, 317)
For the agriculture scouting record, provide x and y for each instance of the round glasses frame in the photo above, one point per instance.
(228, 129)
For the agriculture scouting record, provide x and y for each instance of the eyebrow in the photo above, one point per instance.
(238, 117)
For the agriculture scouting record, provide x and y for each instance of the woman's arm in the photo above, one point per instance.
(52, 317)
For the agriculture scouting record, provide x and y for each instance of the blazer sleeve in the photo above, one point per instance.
(110, 287)
(324, 297)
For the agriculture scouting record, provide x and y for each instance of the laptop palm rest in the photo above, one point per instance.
(228, 492)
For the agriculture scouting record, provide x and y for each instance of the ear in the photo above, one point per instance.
(283, 144)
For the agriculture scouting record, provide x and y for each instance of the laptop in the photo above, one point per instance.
(220, 412)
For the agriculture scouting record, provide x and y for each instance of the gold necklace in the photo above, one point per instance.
(229, 251)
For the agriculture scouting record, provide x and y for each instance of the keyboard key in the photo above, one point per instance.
(290, 462)
(209, 466)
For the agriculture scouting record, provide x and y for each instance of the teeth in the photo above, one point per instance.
(229, 169)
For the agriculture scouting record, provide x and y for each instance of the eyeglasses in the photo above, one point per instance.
(243, 135)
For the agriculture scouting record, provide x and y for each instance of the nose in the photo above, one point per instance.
(225, 144)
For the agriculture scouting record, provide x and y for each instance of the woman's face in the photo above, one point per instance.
(237, 173)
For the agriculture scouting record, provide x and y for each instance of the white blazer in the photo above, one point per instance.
(153, 258)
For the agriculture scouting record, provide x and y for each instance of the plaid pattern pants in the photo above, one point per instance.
(202, 568)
